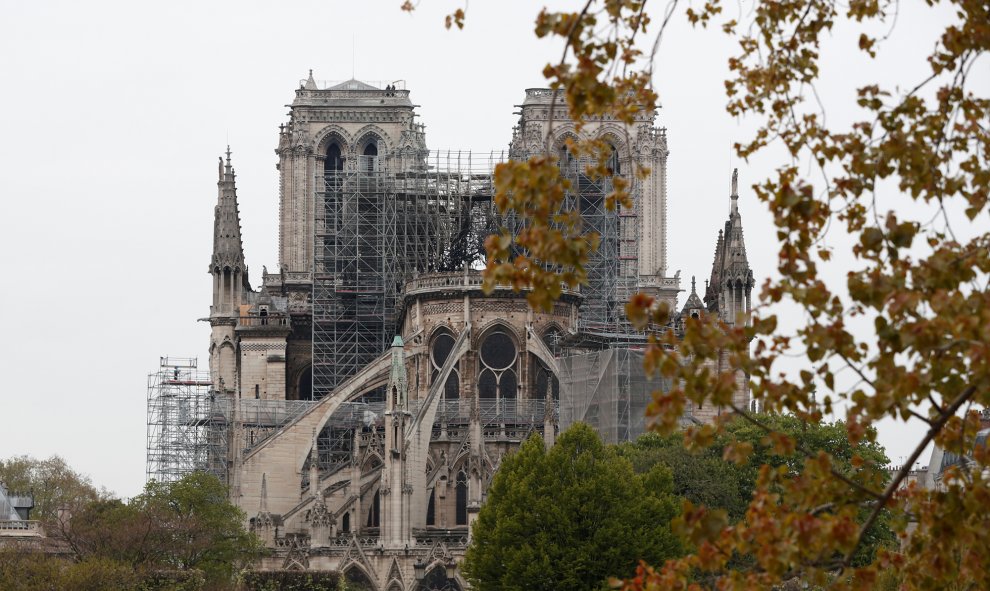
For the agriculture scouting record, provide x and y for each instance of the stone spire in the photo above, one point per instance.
(228, 251)
(729, 291)
(735, 191)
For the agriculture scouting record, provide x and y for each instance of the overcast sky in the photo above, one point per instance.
(112, 115)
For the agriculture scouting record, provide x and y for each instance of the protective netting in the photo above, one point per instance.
(607, 389)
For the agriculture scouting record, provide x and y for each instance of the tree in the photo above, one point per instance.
(907, 185)
(205, 530)
(701, 478)
(706, 478)
(186, 525)
(569, 517)
(54, 484)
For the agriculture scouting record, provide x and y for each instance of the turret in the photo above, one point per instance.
(230, 274)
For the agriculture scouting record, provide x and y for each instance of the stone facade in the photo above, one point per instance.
(382, 478)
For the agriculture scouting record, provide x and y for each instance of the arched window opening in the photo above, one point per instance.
(452, 388)
(507, 385)
(431, 514)
(497, 366)
(304, 388)
(335, 160)
(374, 513)
(565, 160)
(369, 157)
(487, 384)
(345, 522)
(613, 163)
(461, 494)
(333, 167)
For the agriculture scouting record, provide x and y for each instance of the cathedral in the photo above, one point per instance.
(360, 399)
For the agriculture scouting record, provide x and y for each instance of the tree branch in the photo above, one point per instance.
(936, 427)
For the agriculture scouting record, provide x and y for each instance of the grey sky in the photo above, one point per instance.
(112, 115)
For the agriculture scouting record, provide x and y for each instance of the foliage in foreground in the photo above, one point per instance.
(570, 517)
(907, 336)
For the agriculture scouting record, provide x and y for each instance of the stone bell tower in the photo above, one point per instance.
(331, 127)
(632, 255)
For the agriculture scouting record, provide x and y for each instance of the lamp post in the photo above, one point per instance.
(420, 569)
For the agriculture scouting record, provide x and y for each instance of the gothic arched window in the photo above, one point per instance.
(461, 493)
(335, 160)
(304, 388)
(431, 513)
(369, 160)
(443, 346)
(565, 160)
(345, 522)
(374, 513)
(497, 374)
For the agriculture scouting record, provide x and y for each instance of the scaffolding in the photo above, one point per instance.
(607, 389)
(192, 428)
(378, 222)
(187, 428)
(600, 308)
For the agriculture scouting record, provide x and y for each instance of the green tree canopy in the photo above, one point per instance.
(570, 517)
(54, 484)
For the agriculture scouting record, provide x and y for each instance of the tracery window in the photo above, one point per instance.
(443, 346)
(497, 366)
